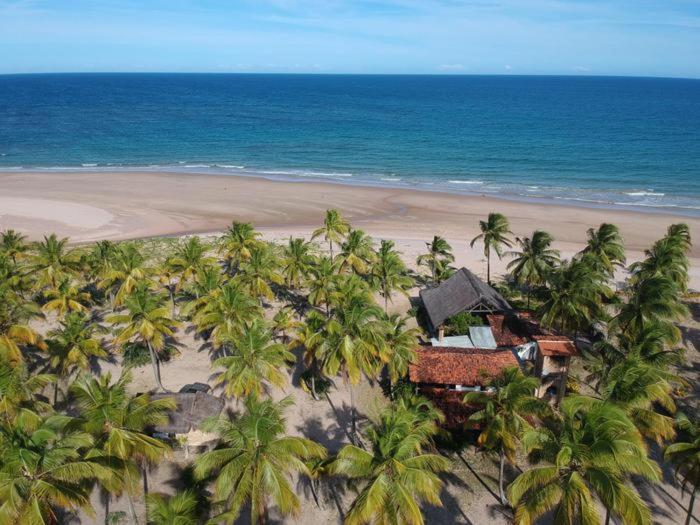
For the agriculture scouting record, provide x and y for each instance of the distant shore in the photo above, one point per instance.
(88, 206)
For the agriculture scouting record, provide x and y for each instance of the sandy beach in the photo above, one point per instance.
(90, 206)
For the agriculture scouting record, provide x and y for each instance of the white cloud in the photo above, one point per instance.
(581, 69)
(451, 67)
(508, 67)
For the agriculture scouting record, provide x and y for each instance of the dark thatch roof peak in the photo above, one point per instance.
(191, 411)
(462, 292)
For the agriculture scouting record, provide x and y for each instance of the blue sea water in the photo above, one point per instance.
(596, 140)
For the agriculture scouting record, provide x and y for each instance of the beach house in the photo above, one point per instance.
(448, 366)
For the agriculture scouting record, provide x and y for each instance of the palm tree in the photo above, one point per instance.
(282, 322)
(309, 335)
(685, 457)
(178, 509)
(400, 346)
(652, 300)
(397, 474)
(13, 244)
(437, 259)
(573, 299)
(224, 314)
(260, 272)
(503, 414)
(253, 461)
(189, 257)
(146, 320)
(18, 390)
(297, 262)
(639, 388)
(334, 228)
(53, 260)
(15, 331)
(66, 297)
(204, 287)
(120, 423)
(323, 283)
(43, 469)
(494, 232)
(590, 450)
(237, 244)
(668, 257)
(534, 261)
(353, 343)
(606, 247)
(127, 271)
(255, 359)
(72, 346)
(389, 274)
(356, 253)
(100, 258)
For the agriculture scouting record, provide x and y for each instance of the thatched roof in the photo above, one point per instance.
(192, 409)
(462, 292)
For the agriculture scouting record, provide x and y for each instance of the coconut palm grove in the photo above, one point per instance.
(233, 379)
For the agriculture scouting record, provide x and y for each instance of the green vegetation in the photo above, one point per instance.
(67, 429)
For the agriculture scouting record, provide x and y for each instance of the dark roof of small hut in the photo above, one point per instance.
(192, 409)
(463, 291)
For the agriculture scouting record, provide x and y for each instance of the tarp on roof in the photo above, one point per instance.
(482, 337)
(191, 411)
(462, 292)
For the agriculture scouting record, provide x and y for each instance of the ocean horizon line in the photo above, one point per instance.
(356, 74)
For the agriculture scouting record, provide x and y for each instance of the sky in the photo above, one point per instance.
(560, 37)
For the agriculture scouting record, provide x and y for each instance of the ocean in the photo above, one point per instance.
(602, 141)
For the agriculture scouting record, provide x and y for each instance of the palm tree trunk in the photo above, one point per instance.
(156, 368)
(55, 393)
(353, 417)
(691, 505)
(144, 475)
(132, 509)
(501, 469)
(107, 496)
(607, 516)
(330, 245)
(488, 266)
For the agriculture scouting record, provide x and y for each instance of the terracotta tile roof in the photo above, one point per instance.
(459, 366)
(502, 332)
(550, 345)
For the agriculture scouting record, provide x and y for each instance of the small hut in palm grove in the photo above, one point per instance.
(475, 335)
(184, 424)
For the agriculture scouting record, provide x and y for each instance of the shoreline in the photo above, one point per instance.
(390, 182)
(88, 206)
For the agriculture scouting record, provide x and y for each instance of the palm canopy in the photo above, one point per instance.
(18, 390)
(684, 455)
(651, 301)
(297, 261)
(189, 257)
(127, 271)
(53, 260)
(397, 474)
(13, 244)
(400, 346)
(66, 297)
(323, 283)
(494, 234)
(260, 272)
(668, 257)
(254, 360)
(534, 260)
(606, 247)
(237, 243)
(146, 320)
(334, 229)
(254, 459)
(437, 259)
(573, 299)
(589, 451)
(225, 313)
(43, 470)
(356, 253)
(504, 413)
(15, 331)
(178, 509)
(389, 274)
